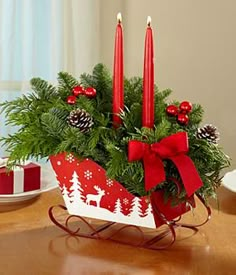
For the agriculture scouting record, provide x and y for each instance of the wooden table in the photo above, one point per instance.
(30, 244)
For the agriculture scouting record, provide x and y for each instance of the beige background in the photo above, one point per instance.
(195, 52)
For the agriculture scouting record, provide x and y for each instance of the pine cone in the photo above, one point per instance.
(80, 119)
(208, 132)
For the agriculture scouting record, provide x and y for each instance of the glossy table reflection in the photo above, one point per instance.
(30, 245)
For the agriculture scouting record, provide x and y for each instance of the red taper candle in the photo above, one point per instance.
(118, 74)
(148, 79)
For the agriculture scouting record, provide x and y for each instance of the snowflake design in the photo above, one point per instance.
(70, 158)
(125, 201)
(88, 174)
(109, 182)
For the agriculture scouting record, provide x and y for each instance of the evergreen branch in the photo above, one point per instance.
(53, 125)
(43, 90)
(66, 83)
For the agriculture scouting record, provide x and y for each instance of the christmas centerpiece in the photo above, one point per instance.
(120, 152)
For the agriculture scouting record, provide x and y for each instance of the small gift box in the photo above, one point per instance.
(22, 178)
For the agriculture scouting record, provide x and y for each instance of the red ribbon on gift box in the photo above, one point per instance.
(23, 178)
(174, 148)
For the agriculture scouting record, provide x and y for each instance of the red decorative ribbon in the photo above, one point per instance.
(173, 147)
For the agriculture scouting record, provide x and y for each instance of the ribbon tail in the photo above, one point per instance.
(154, 172)
(189, 175)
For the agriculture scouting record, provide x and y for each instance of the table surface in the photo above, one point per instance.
(31, 244)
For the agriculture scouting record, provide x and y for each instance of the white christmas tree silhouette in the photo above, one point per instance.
(118, 207)
(65, 194)
(148, 211)
(76, 189)
(136, 210)
(64, 191)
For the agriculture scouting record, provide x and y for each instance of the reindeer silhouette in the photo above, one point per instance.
(95, 197)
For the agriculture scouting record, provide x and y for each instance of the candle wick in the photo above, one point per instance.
(149, 21)
(119, 18)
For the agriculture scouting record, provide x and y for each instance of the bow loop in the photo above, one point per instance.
(172, 145)
(136, 150)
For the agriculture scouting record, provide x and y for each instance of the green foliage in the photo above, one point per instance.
(66, 84)
(43, 130)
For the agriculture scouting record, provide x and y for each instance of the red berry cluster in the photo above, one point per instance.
(90, 92)
(181, 112)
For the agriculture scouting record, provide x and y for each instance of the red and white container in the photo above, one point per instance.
(89, 193)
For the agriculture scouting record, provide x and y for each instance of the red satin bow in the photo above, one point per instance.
(173, 147)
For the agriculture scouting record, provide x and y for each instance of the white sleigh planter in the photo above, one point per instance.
(87, 192)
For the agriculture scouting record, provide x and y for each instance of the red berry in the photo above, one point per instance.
(78, 90)
(172, 110)
(182, 119)
(71, 99)
(90, 92)
(185, 107)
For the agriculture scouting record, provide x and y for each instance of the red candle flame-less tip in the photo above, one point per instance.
(148, 79)
(118, 74)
